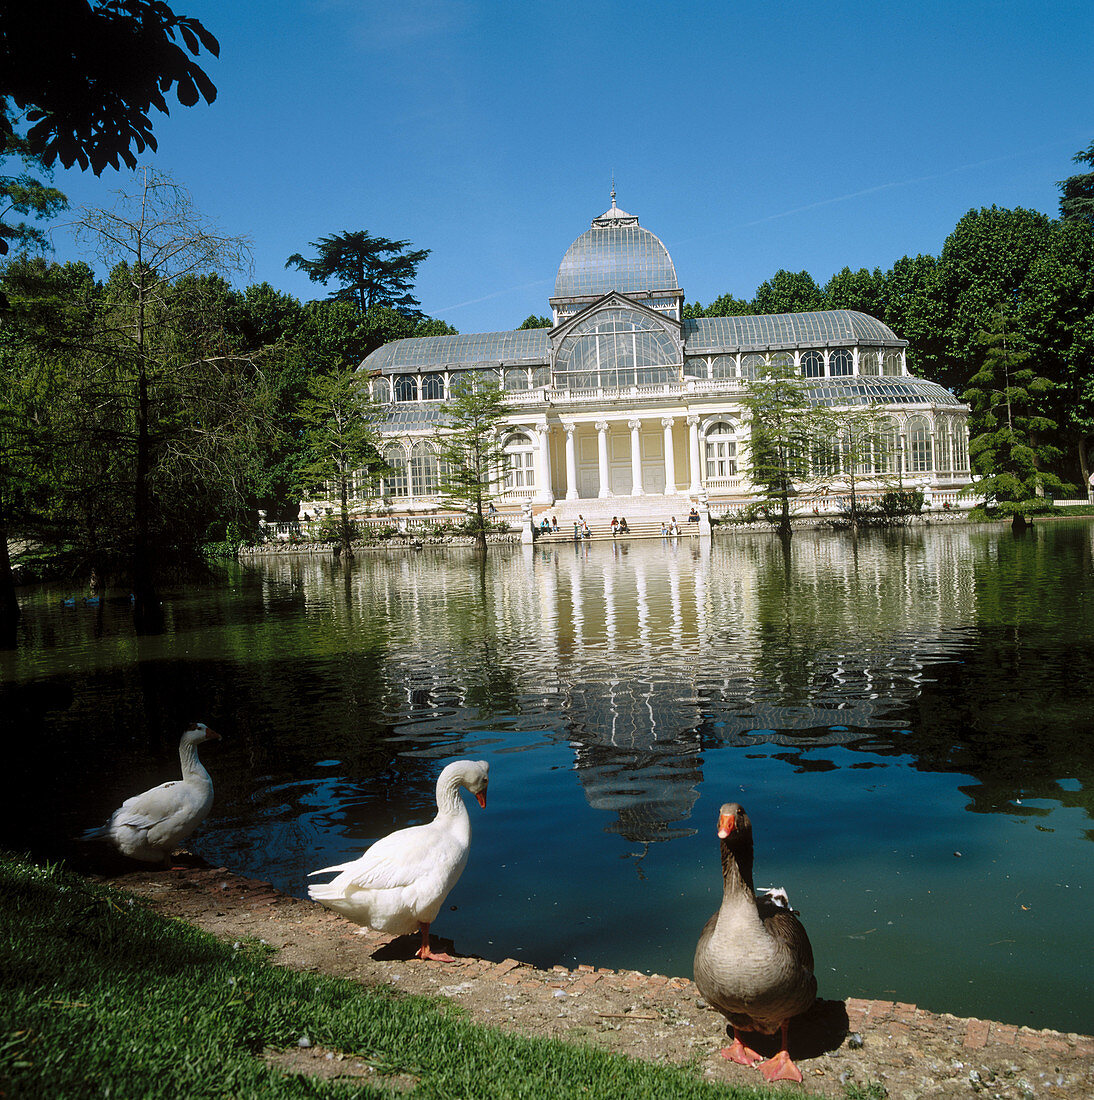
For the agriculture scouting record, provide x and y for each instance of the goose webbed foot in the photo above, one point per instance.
(426, 953)
(780, 1067)
(741, 1054)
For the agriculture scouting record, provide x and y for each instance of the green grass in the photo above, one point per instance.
(99, 996)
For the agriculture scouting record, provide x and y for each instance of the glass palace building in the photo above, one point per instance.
(624, 397)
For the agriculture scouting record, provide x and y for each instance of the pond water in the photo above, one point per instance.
(906, 719)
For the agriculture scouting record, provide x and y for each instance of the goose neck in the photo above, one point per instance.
(736, 871)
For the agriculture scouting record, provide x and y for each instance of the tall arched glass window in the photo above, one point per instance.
(780, 362)
(752, 366)
(869, 363)
(423, 470)
(918, 435)
(381, 390)
(395, 482)
(812, 364)
(433, 386)
(516, 380)
(887, 454)
(616, 348)
(406, 388)
(943, 453)
(520, 455)
(961, 449)
(541, 376)
(841, 363)
(488, 377)
(724, 366)
(892, 362)
(721, 450)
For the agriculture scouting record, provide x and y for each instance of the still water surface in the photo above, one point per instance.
(907, 721)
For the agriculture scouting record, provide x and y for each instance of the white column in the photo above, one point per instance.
(544, 490)
(636, 458)
(602, 456)
(693, 453)
(670, 456)
(571, 462)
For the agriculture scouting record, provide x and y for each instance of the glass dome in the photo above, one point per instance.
(616, 253)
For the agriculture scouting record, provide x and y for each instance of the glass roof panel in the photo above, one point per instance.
(470, 350)
(906, 390)
(834, 326)
(626, 258)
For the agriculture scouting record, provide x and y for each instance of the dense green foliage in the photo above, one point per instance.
(372, 271)
(341, 440)
(1040, 269)
(99, 996)
(470, 449)
(787, 432)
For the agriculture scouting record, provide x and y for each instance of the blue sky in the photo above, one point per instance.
(748, 137)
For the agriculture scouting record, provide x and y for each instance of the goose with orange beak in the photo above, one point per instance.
(400, 883)
(754, 962)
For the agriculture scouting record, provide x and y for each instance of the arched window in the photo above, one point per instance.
(516, 380)
(943, 452)
(780, 362)
(406, 388)
(616, 348)
(721, 450)
(868, 362)
(724, 366)
(484, 378)
(541, 376)
(960, 446)
(893, 362)
(918, 435)
(433, 387)
(812, 364)
(423, 470)
(520, 454)
(841, 363)
(395, 482)
(752, 366)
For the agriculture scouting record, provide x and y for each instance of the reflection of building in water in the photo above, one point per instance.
(641, 662)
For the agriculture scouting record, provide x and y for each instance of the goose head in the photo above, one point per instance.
(198, 733)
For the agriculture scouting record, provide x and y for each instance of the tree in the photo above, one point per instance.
(470, 448)
(25, 194)
(372, 271)
(862, 290)
(1077, 199)
(341, 439)
(534, 321)
(724, 306)
(787, 428)
(1009, 450)
(179, 405)
(861, 447)
(788, 292)
(86, 73)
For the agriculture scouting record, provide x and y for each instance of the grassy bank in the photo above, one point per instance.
(102, 997)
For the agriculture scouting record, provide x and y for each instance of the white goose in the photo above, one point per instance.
(400, 883)
(151, 825)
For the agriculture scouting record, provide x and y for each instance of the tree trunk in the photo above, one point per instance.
(147, 613)
(347, 541)
(480, 534)
(9, 604)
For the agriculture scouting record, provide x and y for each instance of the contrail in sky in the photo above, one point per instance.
(797, 210)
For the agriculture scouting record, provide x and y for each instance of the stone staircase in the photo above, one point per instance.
(644, 516)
